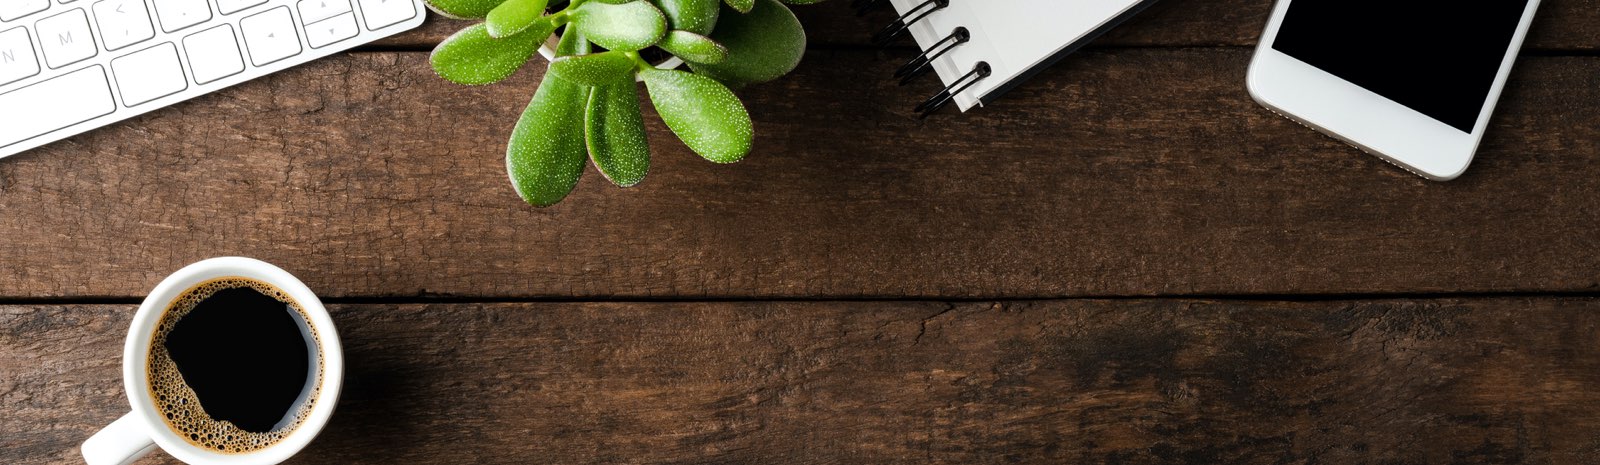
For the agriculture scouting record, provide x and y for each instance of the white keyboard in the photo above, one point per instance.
(68, 66)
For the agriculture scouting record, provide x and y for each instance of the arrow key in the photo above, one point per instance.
(270, 36)
(331, 30)
(312, 11)
(383, 13)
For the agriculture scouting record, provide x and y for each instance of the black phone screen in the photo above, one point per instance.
(1437, 57)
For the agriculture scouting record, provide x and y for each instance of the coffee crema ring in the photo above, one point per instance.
(177, 402)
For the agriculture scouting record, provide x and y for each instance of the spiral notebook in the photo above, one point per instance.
(983, 48)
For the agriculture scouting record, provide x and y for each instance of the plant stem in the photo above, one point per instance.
(563, 17)
(638, 62)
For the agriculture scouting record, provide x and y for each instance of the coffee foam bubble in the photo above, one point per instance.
(178, 404)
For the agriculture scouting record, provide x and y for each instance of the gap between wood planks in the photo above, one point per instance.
(475, 300)
(906, 49)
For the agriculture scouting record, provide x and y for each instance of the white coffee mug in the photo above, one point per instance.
(142, 430)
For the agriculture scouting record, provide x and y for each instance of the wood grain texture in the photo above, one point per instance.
(1561, 25)
(1134, 381)
(1123, 172)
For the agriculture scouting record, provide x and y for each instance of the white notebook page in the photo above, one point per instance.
(1013, 36)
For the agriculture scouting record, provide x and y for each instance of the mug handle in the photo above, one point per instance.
(120, 443)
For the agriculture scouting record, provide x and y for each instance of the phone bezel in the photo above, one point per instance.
(1360, 117)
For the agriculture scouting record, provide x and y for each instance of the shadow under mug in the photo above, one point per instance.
(142, 430)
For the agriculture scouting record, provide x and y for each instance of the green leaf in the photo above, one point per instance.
(471, 57)
(545, 155)
(615, 132)
(514, 16)
(763, 45)
(463, 9)
(694, 47)
(572, 43)
(594, 69)
(627, 27)
(702, 112)
(697, 16)
(743, 6)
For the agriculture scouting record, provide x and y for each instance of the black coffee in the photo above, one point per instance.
(234, 365)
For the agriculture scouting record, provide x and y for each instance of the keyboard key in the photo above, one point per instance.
(149, 74)
(65, 38)
(229, 7)
(213, 54)
(332, 30)
(69, 66)
(312, 11)
(49, 105)
(382, 13)
(270, 36)
(123, 23)
(16, 56)
(13, 9)
(179, 14)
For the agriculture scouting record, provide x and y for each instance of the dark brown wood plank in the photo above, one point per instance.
(1562, 25)
(1164, 381)
(1123, 172)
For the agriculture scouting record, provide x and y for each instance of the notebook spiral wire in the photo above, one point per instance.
(902, 25)
(944, 97)
(924, 62)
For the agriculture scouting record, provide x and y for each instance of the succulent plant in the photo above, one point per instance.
(587, 106)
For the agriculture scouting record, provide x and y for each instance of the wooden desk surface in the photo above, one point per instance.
(1124, 261)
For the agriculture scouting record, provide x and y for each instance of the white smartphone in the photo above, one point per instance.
(1411, 81)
